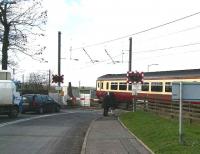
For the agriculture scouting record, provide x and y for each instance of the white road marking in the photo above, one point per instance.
(32, 118)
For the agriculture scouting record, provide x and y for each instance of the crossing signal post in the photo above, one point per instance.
(135, 78)
(58, 79)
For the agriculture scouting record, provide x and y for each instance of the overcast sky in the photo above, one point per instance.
(89, 24)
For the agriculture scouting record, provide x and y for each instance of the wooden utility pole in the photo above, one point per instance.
(49, 79)
(130, 53)
(130, 69)
(59, 55)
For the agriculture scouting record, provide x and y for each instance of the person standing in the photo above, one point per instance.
(106, 104)
(21, 105)
(112, 102)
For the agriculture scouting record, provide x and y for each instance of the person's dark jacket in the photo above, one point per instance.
(106, 101)
(113, 101)
(109, 101)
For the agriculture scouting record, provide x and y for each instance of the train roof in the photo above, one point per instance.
(190, 73)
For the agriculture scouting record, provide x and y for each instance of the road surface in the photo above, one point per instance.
(58, 133)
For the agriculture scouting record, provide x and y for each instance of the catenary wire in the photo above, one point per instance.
(139, 59)
(140, 32)
(154, 50)
(169, 54)
(172, 33)
(168, 48)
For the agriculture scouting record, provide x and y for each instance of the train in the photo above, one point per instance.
(156, 85)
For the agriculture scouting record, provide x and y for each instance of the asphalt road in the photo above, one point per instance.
(59, 133)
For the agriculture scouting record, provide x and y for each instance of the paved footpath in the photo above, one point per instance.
(106, 135)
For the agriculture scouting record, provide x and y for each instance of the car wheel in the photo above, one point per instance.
(13, 112)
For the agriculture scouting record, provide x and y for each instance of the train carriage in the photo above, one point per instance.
(156, 85)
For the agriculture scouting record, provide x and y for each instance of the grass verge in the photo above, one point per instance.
(161, 134)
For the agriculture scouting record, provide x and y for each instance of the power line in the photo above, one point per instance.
(140, 32)
(110, 56)
(153, 50)
(88, 55)
(143, 51)
(169, 54)
(173, 33)
(168, 48)
(138, 59)
(160, 49)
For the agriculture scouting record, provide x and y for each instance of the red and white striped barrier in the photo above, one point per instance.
(83, 99)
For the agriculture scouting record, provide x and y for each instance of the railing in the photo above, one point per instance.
(191, 110)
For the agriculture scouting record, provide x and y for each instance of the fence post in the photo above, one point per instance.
(172, 116)
(190, 113)
(156, 106)
(146, 104)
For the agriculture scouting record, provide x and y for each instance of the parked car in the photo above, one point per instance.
(39, 103)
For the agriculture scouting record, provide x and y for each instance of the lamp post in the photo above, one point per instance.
(150, 66)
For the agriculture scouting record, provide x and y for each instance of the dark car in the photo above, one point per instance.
(39, 103)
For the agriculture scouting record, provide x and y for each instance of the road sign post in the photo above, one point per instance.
(180, 116)
(184, 91)
(134, 78)
(135, 88)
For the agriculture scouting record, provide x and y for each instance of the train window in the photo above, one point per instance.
(122, 86)
(107, 85)
(101, 85)
(114, 85)
(145, 86)
(168, 87)
(157, 86)
(97, 84)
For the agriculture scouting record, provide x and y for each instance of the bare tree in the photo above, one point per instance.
(39, 79)
(21, 23)
(36, 82)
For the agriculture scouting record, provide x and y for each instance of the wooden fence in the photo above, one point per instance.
(191, 111)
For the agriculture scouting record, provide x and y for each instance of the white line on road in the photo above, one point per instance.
(28, 119)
